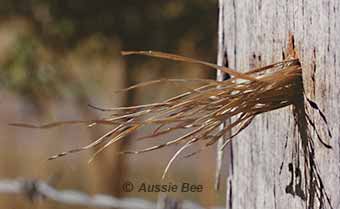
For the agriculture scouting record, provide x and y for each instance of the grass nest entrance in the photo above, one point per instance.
(200, 112)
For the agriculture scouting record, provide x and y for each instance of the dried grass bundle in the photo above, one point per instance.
(199, 112)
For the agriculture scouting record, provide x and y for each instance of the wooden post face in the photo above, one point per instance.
(255, 33)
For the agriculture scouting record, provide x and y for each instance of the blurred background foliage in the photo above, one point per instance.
(58, 27)
(57, 56)
(163, 24)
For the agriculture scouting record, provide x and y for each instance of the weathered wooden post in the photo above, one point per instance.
(255, 33)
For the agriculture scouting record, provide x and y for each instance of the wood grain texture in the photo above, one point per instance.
(221, 76)
(255, 33)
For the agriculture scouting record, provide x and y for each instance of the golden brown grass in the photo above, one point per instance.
(199, 112)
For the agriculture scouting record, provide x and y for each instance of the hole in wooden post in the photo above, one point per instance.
(313, 183)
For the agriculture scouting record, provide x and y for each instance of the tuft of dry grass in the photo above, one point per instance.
(199, 112)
